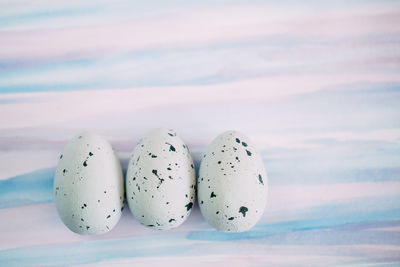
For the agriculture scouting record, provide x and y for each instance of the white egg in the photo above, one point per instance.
(88, 185)
(160, 180)
(232, 184)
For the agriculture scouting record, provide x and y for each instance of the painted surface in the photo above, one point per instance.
(315, 86)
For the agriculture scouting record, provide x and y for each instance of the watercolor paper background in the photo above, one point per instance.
(314, 84)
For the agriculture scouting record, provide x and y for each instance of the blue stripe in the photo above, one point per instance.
(21, 18)
(31, 188)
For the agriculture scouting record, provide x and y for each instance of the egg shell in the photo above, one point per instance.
(232, 184)
(89, 186)
(160, 180)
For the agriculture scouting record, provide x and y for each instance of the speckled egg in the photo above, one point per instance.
(160, 180)
(232, 184)
(88, 185)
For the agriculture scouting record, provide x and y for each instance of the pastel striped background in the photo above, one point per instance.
(315, 84)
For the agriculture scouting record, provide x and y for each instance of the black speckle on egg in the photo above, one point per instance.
(171, 147)
(161, 180)
(248, 153)
(231, 218)
(260, 179)
(244, 144)
(189, 206)
(171, 220)
(108, 216)
(243, 210)
(90, 154)
(84, 163)
(213, 195)
(237, 140)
